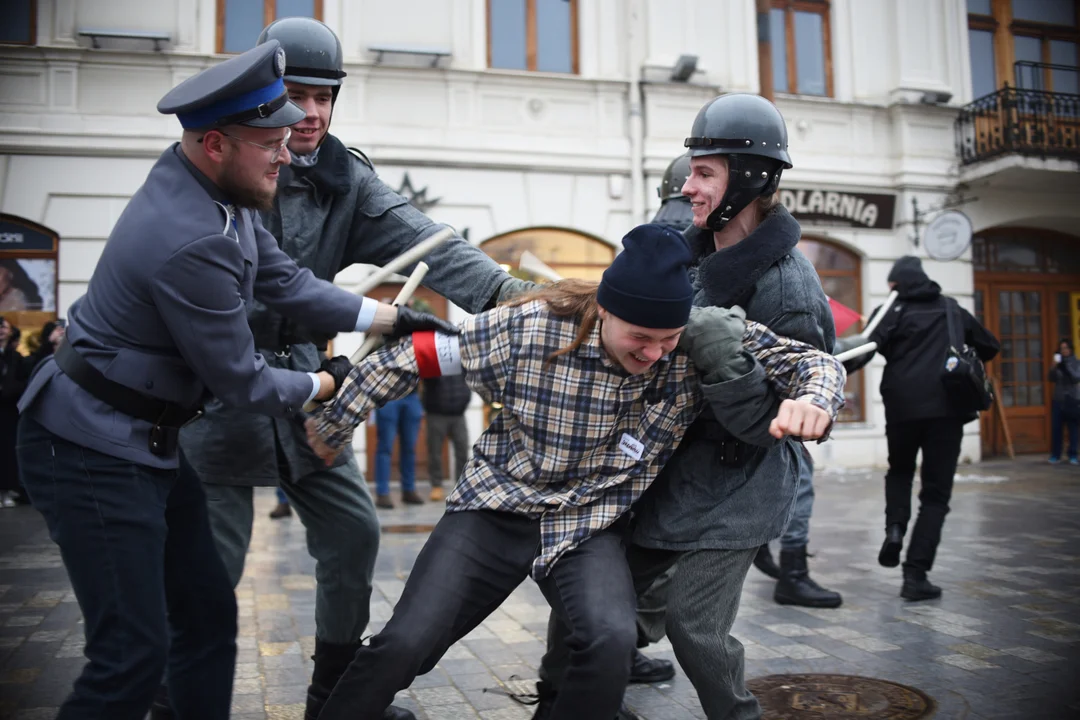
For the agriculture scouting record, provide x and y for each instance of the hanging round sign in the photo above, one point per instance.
(947, 237)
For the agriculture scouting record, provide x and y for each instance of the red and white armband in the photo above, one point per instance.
(437, 354)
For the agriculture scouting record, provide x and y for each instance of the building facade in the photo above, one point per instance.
(545, 125)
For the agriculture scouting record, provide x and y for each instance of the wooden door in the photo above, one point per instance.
(439, 304)
(1019, 315)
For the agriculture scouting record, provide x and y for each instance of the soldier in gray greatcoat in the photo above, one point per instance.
(163, 325)
(332, 211)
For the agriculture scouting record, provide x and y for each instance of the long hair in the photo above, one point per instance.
(567, 298)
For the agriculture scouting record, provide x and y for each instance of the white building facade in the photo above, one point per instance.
(546, 124)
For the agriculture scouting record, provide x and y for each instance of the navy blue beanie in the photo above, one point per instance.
(647, 284)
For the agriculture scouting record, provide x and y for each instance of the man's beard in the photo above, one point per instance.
(252, 198)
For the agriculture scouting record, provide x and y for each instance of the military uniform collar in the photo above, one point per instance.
(212, 190)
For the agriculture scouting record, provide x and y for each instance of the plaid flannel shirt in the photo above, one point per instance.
(553, 451)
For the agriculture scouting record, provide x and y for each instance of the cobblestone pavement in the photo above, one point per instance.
(1003, 642)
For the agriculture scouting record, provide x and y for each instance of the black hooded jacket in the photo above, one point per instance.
(914, 340)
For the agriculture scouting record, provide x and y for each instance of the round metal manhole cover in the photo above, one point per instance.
(838, 697)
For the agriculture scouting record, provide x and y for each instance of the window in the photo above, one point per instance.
(539, 35)
(1029, 44)
(1025, 251)
(841, 278)
(19, 26)
(239, 22)
(801, 55)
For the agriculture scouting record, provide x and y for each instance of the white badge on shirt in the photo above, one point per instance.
(631, 447)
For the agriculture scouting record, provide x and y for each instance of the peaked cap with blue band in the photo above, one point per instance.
(245, 90)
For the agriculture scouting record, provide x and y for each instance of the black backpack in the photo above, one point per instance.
(963, 373)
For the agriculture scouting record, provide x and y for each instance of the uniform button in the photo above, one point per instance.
(149, 384)
(288, 410)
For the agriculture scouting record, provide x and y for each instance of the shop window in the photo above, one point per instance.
(538, 35)
(19, 26)
(801, 53)
(841, 278)
(239, 22)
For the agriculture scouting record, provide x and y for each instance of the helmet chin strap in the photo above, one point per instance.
(749, 177)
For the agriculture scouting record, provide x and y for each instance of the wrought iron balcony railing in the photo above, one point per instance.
(1019, 121)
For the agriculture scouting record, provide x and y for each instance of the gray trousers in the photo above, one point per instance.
(797, 533)
(342, 536)
(704, 589)
(438, 428)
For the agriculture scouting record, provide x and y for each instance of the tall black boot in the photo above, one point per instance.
(331, 660)
(890, 549)
(917, 587)
(795, 586)
(764, 562)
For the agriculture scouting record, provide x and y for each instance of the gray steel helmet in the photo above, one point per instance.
(750, 132)
(674, 177)
(312, 51)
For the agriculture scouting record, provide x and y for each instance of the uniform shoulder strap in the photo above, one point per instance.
(359, 155)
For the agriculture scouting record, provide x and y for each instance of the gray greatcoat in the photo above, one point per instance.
(165, 314)
(697, 502)
(327, 217)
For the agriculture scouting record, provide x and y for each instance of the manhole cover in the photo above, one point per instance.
(407, 529)
(838, 697)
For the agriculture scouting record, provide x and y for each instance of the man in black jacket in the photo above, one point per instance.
(914, 340)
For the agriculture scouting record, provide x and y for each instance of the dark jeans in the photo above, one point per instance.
(939, 439)
(397, 418)
(468, 567)
(1058, 422)
(153, 592)
(647, 566)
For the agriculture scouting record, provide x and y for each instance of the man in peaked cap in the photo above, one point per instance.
(163, 325)
(333, 211)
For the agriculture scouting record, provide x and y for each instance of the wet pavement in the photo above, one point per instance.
(1003, 641)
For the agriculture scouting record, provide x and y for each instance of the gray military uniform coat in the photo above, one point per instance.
(328, 217)
(697, 502)
(165, 313)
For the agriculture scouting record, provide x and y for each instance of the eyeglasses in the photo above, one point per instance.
(275, 150)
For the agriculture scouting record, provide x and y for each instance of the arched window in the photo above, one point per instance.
(569, 253)
(841, 277)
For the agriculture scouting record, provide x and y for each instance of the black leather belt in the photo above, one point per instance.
(732, 451)
(166, 418)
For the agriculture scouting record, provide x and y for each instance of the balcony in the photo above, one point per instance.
(1025, 120)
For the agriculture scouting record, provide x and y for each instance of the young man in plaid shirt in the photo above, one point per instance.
(597, 390)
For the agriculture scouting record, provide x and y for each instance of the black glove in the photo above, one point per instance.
(410, 321)
(338, 367)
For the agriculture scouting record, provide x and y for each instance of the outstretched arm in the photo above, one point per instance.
(761, 386)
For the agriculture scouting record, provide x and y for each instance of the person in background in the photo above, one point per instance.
(1065, 407)
(12, 383)
(396, 420)
(283, 509)
(920, 415)
(445, 401)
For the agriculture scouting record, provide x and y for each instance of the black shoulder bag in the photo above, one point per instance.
(964, 375)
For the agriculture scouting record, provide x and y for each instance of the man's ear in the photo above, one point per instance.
(214, 146)
(602, 312)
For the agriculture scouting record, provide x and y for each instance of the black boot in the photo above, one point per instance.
(331, 660)
(890, 549)
(644, 669)
(917, 587)
(161, 709)
(545, 700)
(764, 562)
(795, 586)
